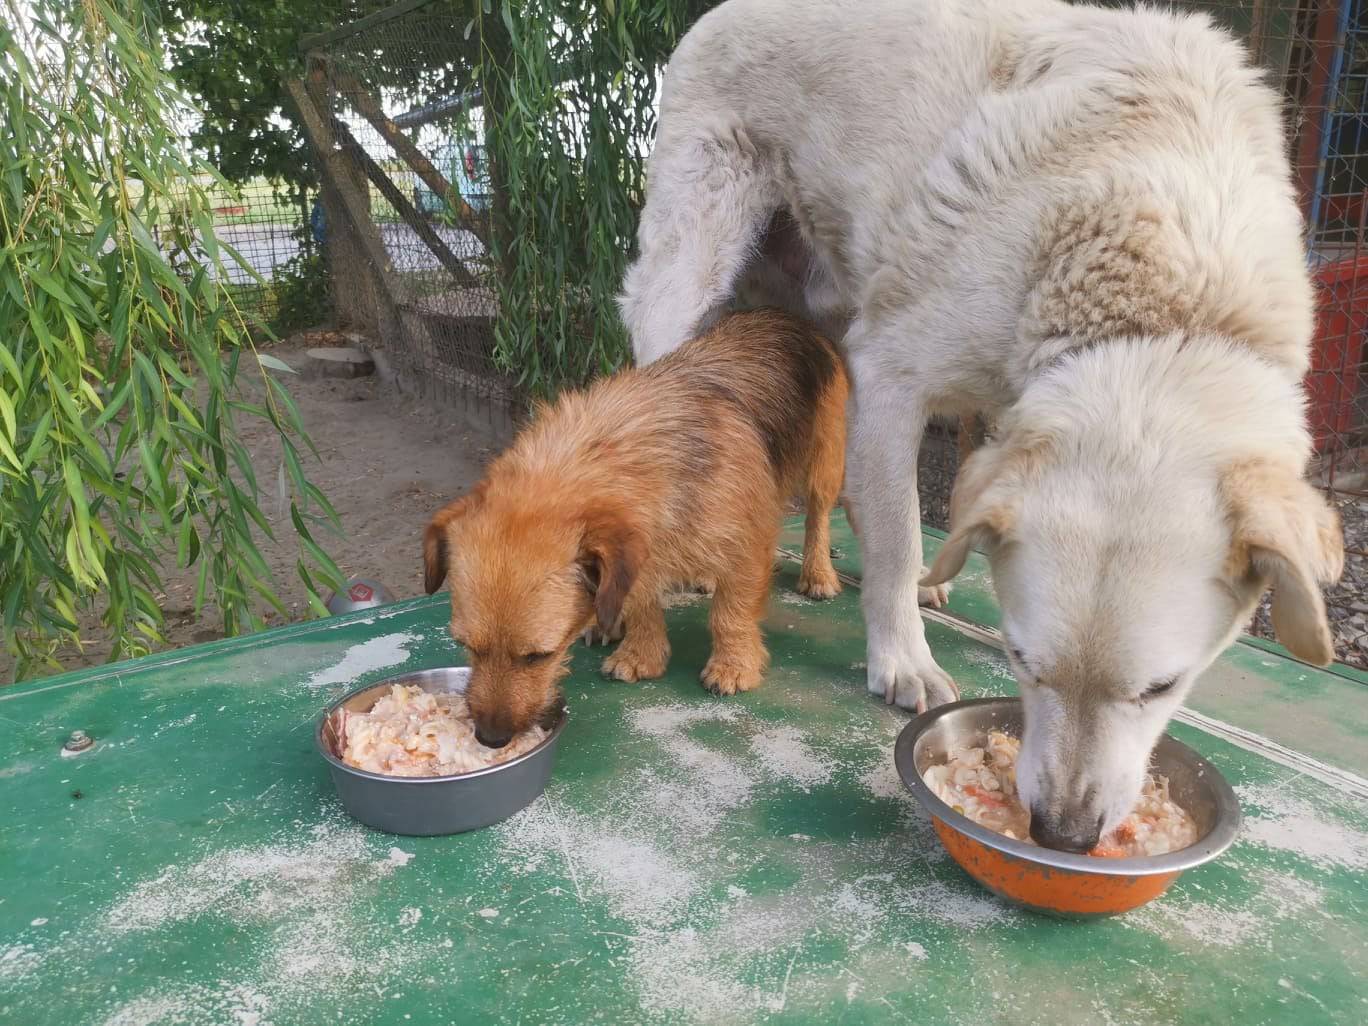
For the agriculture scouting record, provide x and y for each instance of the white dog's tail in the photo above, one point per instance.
(709, 195)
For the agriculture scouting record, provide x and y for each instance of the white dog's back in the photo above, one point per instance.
(1018, 170)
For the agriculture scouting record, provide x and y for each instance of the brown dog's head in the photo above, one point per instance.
(528, 573)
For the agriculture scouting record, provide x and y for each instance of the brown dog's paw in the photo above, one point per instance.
(726, 675)
(819, 584)
(935, 596)
(632, 666)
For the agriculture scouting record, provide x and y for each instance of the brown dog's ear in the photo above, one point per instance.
(1286, 534)
(982, 506)
(435, 549)
(611, 556)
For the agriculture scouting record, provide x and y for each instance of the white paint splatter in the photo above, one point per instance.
(307, 896)
(399, 858)
(18, 960)
(1207, 923)
(704, 949)
(1279, 897)
(254, 884)
(235, 1005)
(1284, 822)
(376, 654)
(149, 1009)
(489, 913)
(916, 951)
(712, 784)
(989, 660)
(882, 780)
(640, 881)
(784, 753)
(410, 916)
(953, 906)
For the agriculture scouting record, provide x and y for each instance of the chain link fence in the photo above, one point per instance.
(407, 194)
(399, 126)
(1316, 51)
(278, 279)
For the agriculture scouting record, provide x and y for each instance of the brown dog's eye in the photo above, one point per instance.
(533, 658)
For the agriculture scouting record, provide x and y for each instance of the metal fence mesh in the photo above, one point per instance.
(411, 62)
(394, 91)
(272, 236)
(1317, 52)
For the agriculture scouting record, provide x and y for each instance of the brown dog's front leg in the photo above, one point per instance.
(645, 649)
(739, 659)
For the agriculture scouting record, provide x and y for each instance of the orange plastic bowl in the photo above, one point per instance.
(1061, 883)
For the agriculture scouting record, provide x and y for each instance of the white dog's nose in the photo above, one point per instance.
(1065, 831)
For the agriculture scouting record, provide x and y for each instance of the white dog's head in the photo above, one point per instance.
(1124, 563)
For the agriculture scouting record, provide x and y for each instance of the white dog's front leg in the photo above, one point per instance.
(886, 429)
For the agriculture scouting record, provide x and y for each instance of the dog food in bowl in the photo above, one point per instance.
(979, 781)
(411, 732)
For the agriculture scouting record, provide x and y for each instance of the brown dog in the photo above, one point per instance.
(670, 475)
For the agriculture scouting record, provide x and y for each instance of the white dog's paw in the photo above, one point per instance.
(914, 682)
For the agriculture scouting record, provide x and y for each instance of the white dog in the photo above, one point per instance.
(1079, 222)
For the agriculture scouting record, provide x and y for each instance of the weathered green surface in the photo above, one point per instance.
(696, 859)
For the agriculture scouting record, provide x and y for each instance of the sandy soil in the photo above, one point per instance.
(388, 462)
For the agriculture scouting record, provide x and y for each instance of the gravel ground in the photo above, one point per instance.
(1347, 601)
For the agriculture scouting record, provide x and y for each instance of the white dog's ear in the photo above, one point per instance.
(1288, 536)
(982, 508)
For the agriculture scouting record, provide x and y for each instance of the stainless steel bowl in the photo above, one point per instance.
(1060, 882)
(426, 806)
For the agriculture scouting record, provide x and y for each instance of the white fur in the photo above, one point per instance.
(1077, 221)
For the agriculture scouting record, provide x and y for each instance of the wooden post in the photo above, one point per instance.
(401, 203)
(353, 292)
(369, 108)
(354, 207)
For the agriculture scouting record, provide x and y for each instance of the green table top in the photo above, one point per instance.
(751, 859)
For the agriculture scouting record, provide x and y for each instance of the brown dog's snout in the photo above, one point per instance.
(494, 726)
(492, 737)
(503, 703)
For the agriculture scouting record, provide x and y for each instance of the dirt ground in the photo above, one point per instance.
(388, 462)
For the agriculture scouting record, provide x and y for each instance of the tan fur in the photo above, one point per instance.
(655, 478)
(1286, 536)
(982, 504)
